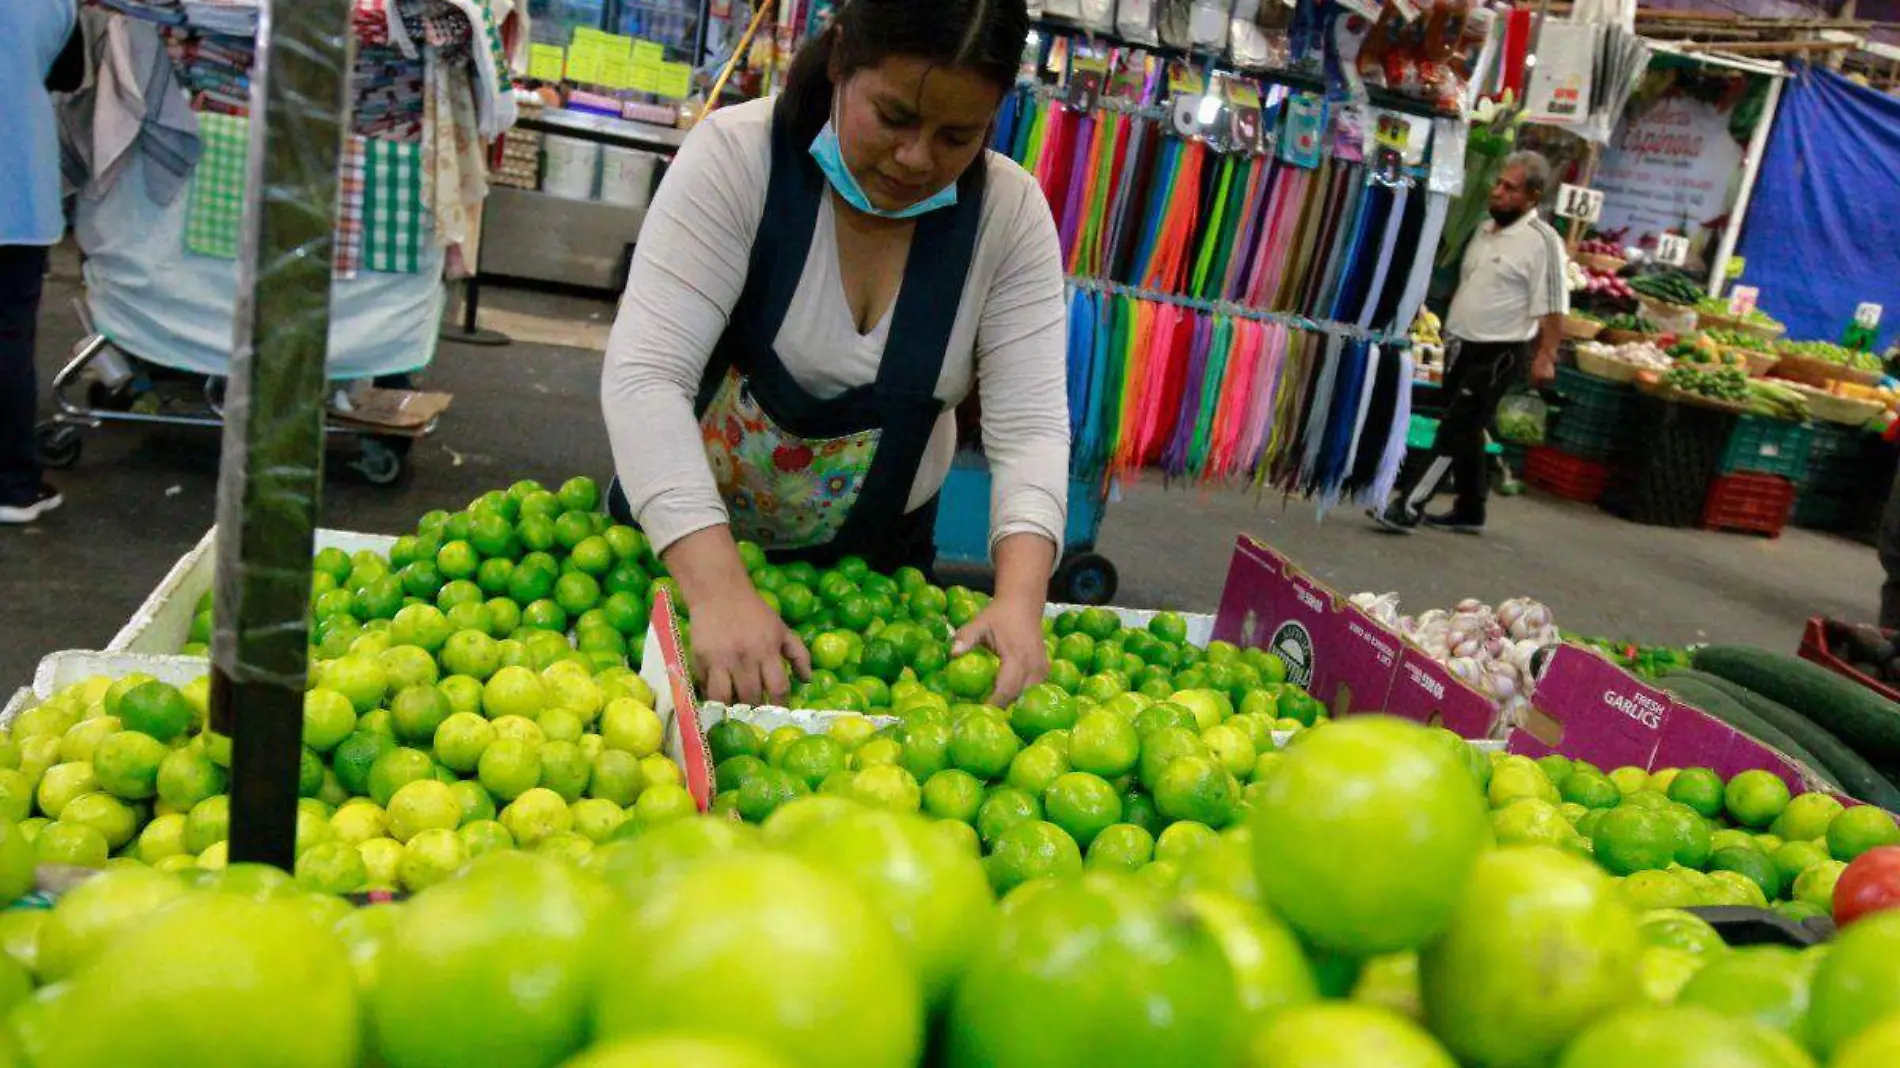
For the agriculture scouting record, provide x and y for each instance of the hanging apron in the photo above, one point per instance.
(810, 478)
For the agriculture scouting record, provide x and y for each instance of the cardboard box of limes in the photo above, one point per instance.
(162, 624)
(63, 669)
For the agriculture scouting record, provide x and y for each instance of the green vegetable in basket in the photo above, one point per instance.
(1672, 287)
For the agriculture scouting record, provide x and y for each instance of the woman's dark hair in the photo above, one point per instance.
(984, 36)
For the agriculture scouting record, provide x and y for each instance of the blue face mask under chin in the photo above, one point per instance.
(830, 156)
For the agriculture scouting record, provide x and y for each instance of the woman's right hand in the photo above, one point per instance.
(740, 649)
(740, 646)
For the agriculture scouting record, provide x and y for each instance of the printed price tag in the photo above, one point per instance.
(1735, 266)
(616, 72)
(546, 63)
(675, 81)
(1671, 249)
(1742, 300)
(648, 53)
(1867, 316)
(1579, 203)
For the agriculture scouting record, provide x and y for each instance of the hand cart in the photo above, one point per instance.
(159, 332)
(1083, 576)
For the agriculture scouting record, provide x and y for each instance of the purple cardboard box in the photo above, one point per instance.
(1335, 651)
(1424, 691)
(1589, 709)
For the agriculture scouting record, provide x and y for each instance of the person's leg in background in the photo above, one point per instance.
(23, 496)
(1460, 440)
(1889, 545)
(1477, 403)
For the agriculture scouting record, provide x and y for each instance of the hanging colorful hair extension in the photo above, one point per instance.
(1167, 270)
(1184, 413)
(1082, 323)
(1205, 401)
(1079, 177)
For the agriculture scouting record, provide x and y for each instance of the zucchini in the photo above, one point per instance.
(1707, 698)
(1852, 775)
(1866, 721)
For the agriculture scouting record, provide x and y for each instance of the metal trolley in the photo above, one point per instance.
(1083, 576)
(159, 327)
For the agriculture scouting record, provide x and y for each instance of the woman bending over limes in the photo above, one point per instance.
(822, 277)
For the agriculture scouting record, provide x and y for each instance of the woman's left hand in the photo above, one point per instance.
(1012, 628)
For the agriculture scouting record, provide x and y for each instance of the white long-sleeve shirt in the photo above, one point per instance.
(1009, 339)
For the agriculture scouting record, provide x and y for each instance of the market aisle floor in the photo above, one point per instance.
(139, 499)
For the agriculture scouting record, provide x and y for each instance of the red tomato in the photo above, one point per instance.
(1870, 884)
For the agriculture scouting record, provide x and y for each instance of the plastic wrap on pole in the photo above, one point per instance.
(272, 462)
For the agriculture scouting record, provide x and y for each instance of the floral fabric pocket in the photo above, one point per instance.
(781, 491)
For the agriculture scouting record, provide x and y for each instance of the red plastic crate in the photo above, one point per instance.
(1570, 477)
(1815, 650)
(1755, 504)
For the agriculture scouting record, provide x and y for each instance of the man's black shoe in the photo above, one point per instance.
(1455, 523)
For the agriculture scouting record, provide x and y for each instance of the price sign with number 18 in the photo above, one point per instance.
(1579, 203)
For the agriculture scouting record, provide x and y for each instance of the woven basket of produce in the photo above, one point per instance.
(1766, 331)
(1606, 368)
(1759, 363)
(1848, 411)
(1598, 262)
(1623, 337)
(1581, 328)
(1674, 318)
(1821, 373)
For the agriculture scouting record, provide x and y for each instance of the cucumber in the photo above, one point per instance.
(1719, 704)
(1831, 757)
(1866, 721)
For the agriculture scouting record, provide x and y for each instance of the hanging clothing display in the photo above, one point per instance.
(168, 107)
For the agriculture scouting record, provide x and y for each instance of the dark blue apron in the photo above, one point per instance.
(811, 478)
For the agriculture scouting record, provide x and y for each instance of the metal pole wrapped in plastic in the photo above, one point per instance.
(272, 463)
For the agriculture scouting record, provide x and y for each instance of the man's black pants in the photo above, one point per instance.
(22, 267)
(1481, 372)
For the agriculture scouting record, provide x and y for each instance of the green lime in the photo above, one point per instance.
(1806, 818)
(1005, 807)
(983, 746)
(1083, 805)
(1699, 788)
(953, 794)
(1858, 829)
(1759, 869)
(1755, 797)
(1031, 849)
(1628, 839)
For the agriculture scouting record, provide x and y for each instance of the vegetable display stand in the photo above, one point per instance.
(1816, 649)
(1574, 478)
(1765, 446)
(1751, 504)
(1592, 420)
(1663, 478)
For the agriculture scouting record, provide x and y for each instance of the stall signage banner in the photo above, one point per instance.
(1673, 165)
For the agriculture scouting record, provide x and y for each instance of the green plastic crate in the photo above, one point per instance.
(1769, 447)
(1581, 391)
(1589, 433)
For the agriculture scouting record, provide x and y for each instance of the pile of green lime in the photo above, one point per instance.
(1361, 914)
(1679, 837)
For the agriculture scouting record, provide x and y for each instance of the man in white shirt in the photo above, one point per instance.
(1506, 316)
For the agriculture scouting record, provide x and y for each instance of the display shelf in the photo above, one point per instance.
(1384, 99)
